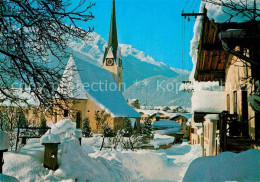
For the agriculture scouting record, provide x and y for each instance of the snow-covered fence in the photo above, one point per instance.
(29, 132)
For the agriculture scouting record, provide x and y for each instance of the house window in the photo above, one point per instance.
(66, 113)
(235, 101)
(192, 130)
(228, 103)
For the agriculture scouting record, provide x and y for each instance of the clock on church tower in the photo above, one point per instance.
(110, 61)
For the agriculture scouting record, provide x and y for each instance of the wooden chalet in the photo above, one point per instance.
(229, 53)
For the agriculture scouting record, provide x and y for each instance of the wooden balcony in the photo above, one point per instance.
(230, 134)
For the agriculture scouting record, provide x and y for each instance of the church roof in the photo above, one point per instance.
(101, 88)
(71, 85)
(113, 41)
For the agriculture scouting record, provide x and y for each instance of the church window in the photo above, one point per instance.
(66, 113)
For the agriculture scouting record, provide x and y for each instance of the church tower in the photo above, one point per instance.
(112, 58)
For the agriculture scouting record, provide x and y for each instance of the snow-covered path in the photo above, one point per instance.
(155, 165)
(88, 163)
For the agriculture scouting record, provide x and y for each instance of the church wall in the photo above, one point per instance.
(92, 108)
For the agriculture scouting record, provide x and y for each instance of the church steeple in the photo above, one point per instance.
(113, 41)
(112, 58)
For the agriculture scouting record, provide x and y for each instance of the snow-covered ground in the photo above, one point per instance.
(87, 163)
(226, 166)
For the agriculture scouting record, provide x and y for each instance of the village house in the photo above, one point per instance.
(185, 129)
(135, 103)
(205, 103)
(196, 133)
(226, 52)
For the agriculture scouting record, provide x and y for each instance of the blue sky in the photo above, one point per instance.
(153, 26)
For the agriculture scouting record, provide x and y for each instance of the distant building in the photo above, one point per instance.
(135, 103)
(182, 120)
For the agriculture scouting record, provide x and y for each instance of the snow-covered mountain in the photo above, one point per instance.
(137, 66)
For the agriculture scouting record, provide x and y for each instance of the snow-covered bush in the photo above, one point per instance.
(86, 130)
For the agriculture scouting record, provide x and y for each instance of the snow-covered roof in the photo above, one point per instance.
(212, 117)
(26, 98)
(166, 124)
(71, 84)
(4, 140)
(102, 89)
(170, 115)
(222, 14)
(208, 101)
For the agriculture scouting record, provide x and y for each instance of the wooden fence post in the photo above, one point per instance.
(17, 138)
(50, 142)
(4, 144)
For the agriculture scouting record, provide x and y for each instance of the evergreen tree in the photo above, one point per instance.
(128, 130)
(86, 130)
(43, 124)
(147, 131)
(22, 122)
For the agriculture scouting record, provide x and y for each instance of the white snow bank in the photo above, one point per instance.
(77, 133)
(226, 166)
(87, 163)
(76, 164)
(166, 124)
(161, 140)
(6, 178)
(153, 165)
(208, 101)
(64, 128)
(4, 140)
(50, 138)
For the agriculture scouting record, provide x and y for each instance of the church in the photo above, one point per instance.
(91, 89)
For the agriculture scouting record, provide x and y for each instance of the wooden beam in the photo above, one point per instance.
(212, 72)
(211, 47)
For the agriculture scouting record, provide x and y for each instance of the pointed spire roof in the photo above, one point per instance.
(71, 84)
(113, 41)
